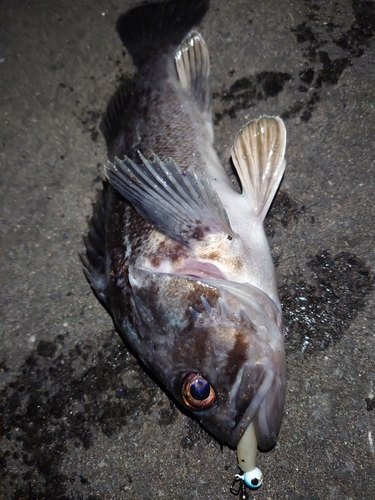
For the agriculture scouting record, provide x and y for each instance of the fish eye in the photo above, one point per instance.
(197, 392)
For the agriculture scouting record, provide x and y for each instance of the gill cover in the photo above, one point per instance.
(229, 334)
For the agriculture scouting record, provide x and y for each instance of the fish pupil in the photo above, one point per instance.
(200, 389)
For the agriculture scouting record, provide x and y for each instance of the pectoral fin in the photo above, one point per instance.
(258, 155)
(178, 203)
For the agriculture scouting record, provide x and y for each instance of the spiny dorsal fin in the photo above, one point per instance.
(258, 155)
(193, 70)
(178, 203)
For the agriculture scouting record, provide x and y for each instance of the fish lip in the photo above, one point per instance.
(243, 420)
(200, 270)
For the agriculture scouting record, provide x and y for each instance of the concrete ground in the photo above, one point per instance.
(80, 418)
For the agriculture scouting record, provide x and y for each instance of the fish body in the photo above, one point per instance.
(175, 253)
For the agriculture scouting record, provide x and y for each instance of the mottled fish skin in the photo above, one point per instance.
(210, 305)
(214, 335)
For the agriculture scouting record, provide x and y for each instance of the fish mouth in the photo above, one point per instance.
(259, 399)
(195, 269)
(265, 388)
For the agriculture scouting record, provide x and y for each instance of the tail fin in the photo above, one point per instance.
(158, 27)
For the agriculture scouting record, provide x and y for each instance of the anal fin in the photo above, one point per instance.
(258, 155)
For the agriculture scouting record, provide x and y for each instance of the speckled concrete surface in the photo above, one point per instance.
(80, 418)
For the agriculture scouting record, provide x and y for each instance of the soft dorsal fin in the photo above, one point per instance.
(258, 155)
(178, 203)
(193, 70)
(116, 113)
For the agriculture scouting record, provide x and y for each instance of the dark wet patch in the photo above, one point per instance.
(370, 404)
(46, 349)
(319, 310)
(361, 31)
(312, 82)
(313, 9)
(90, 122)
(323, 69)
(241, 95)
(246, 92)
(64, 400)
(3, 366)
(305, 35)
(283, 211)
(307, 76)
(332, 69)
(303, 109)
(272, 83)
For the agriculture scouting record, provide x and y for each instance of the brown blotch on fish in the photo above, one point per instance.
(195, 294)
(237, 356)
(168, 250)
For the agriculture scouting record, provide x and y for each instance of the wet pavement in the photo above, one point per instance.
(80, 418)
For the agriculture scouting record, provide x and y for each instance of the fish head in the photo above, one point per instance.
(217, 346)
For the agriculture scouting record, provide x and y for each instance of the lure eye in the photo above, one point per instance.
(253, 479)
(197, 392)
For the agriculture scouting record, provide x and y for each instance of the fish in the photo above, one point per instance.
(177, 254)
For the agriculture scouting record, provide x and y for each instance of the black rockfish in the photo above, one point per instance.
(177, 255)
